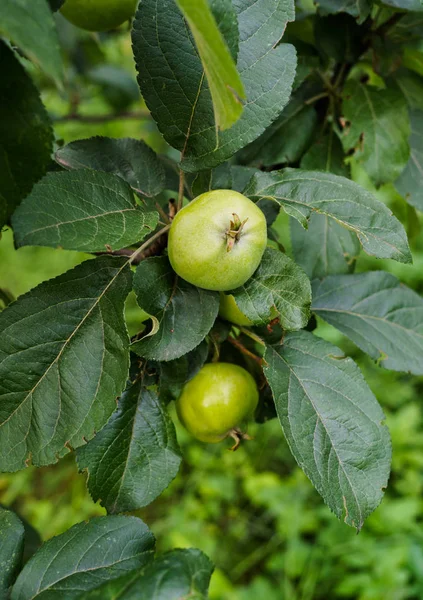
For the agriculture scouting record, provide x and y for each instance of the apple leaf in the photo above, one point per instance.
(278, 282)
(376, 130)
(12, 535)
(26, 137)
(177, 575)
(131, 159)
(84, 557)
(173, 84)
(326, 154)
(360, 9)
(29, 25)
(175, 373)
(332, 422)
(183, 314)
(135, 456)
(301, 193)
(378, 313)
(409, 183)
(84, 210)
(412, 5)
(225, 85)
(63, 361)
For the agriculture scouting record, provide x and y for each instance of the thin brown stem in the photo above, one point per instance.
(314, 99)
(245, 350)
(138, 252)
(141, 114)
(181, 190)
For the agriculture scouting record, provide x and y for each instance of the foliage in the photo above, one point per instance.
(315, 114)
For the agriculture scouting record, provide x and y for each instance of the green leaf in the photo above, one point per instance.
(332, 422)
(302, 192)
(407, 29)
(226, 87)
(412, 5)
(12, 534)
(172, 81)
(346, 45)
(131, 159)
(378, 313)
(175, 373)
(324, 248)
(287, 138)
(219, 178)
(360, 9)
(376, 130)
(29, 24)
(82, 210)
(26, 137)
(176, 575)
(63, 361)
(409, 183)
(411, 85)
(135, 456)
(183, 314)
(326, 154)
(84, 557)
(55, 4)
(280, 283)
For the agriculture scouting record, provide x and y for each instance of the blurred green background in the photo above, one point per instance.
(253, 512)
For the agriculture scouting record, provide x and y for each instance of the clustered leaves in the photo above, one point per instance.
(284, 113)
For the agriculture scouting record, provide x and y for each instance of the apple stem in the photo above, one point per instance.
(234, 232)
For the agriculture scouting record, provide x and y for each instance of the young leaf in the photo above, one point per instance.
(131, 159)
(225, 84)
(360, 9)
(332, 422)
(324, 248)
(379, 314)
(84, 557)
(302, 192)
(29, 24)
(26, 137)
(183, 314)
(280, 283)
(63, 361)
(82, 210)
(172, 81)
(176, 575)
(377, 128)
(135, 456)
(12, 535)
(409, 183)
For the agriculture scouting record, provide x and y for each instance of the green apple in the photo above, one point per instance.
(217, 241)
(229, 311)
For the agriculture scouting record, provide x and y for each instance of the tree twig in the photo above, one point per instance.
(139, 255)
(181, 190)
(244, 350)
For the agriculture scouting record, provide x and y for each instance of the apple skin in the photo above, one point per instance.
(198, 241)
(229, 311)
(220, 398)
(98, 15)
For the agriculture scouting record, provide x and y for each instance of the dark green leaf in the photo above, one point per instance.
(280, 283)
(175, 373)
(55, 4)
(63, 361)
(131, 159)
(118, 86)
(412, 5)
(226, 87)
(302, 192)
(135, 456)
(360, 9)
(325, 247)
(176, 575)
(241, 176)
(326, 154)
(287, 138)
(172, 80)
(84, 557)
(183, 314)
(332, 422)
(26, 137)
(29, 24)
(12, 534)
(376, 131)
(411, 86)
(346, 44)
(410, 182)
(82, 210)
(407, 29)
(219, 178)
(379, 314)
